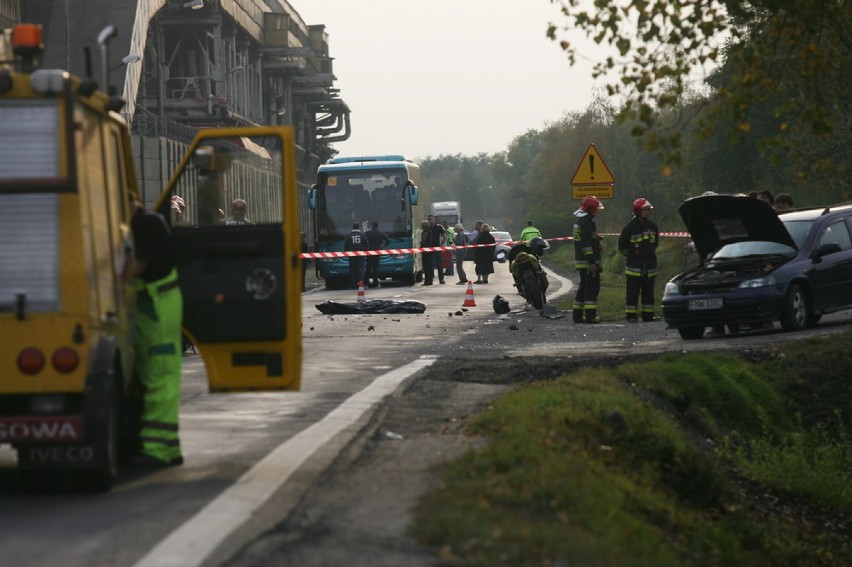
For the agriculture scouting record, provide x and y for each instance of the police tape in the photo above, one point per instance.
(391, 251)
(404, 251)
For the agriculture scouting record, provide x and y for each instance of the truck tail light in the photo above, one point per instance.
(30, 361)
(65, 360)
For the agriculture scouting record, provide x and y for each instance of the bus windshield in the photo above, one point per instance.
(363, 196)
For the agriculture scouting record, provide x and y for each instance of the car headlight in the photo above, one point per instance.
(671, 289)
(757, 282)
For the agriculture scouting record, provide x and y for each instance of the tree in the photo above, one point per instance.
(789, 56)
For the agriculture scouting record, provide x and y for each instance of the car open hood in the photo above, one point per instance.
(716, 220)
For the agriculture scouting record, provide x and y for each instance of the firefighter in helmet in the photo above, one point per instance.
(587, 253)
(638, 243)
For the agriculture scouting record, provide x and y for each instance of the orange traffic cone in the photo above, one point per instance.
(361, 296)
(468, 296)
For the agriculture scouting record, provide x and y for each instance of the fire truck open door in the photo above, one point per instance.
(233, 210)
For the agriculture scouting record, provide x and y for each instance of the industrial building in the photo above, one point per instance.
(182, 65)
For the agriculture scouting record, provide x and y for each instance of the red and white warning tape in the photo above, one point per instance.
(395, 251)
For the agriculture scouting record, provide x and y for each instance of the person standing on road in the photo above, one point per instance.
(474, 234)
(529, 232)
(783, 202)
(239, 209)
(157, 338)
(460, 239)
(305, 261)
(376, 239)
(448, 256)
(638, 243)
(355, 242)
(484, 257)
(432, 260)
(587, 253)
(766, 197)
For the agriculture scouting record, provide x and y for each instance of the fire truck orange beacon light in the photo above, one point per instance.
(27, 39)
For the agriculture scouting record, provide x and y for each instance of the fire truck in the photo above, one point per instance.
(66, 299)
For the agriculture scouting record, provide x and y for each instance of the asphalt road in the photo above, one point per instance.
(328, 474)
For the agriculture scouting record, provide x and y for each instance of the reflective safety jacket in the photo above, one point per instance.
(638, 243)
(529, 233)
(587, 245)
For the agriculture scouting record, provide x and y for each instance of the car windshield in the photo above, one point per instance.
(751, 248)
(500, 236)
(799, 230)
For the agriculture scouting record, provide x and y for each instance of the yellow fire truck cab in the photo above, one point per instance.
(66, 295)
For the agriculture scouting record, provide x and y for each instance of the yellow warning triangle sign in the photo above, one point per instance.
(592, 169)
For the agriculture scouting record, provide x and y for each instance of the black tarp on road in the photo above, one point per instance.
(371, 306)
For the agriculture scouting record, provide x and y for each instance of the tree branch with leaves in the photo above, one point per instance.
(791, 56)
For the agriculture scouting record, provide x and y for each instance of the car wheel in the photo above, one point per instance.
(691, 333)
(795, 315)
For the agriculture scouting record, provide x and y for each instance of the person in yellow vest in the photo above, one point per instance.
(529, 232)
(157, 339)
(448, 257)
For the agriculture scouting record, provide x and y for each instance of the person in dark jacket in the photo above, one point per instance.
(638, 243)
(376, 239)
(587, 254)
(460, 239)
(484, 257)
(433, 235)
(355, 242)
(305, 261)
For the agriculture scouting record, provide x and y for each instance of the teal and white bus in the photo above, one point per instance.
(362, 190)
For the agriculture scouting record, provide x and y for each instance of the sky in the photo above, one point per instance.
(442, 77)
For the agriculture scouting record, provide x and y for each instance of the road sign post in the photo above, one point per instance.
(592, 177)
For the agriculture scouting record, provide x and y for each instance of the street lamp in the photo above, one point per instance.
(127, 60)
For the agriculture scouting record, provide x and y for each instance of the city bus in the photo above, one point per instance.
(362, 190)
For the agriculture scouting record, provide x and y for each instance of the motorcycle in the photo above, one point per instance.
(525, 267)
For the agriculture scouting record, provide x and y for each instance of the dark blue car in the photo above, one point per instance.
(759, 266)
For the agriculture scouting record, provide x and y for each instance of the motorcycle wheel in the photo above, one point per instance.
(533, 290)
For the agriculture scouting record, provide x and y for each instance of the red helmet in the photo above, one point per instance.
(640, 204)
(591, 204)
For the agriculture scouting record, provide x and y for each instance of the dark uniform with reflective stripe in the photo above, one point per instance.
(638, 243)
(587, 252)
(159, 312)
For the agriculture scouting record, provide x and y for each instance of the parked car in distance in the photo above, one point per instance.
(500, 250)
(759, 266)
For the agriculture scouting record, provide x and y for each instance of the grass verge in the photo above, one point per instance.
(682, 460)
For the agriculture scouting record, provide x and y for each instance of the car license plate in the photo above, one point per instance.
(703, 304)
